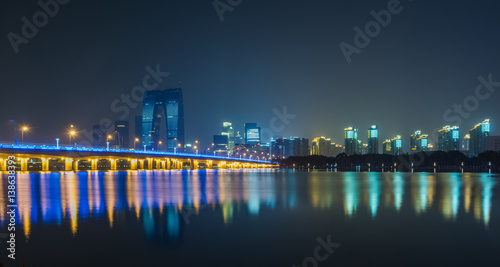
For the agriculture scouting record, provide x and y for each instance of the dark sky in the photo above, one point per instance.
(263, 55)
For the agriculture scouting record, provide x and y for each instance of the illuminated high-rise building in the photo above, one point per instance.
(386, 147)
(352, 146)
(478, 136)
(227, 129)
(163, 107)
(321, 146)
(413, 141)
(423, 143)
(252, 134)
(449, 139)
(373, 140)
(396, 146)
(122, 128)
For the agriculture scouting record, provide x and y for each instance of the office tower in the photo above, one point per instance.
(396, 146)
(449, 139)
(466, 144)
(335, 149)
(227, 129)
(321, 146)
(386, 147)
(277, 148)
(122, 128)
(163, 107)
(422, 143)
(138, 130)
(252, 134)
(98, 136)
(413, 141)
(352, 146)
(295, 146)
(373, 140)
(478, 137)
(221, 142)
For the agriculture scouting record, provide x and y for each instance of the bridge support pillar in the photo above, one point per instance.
(45, 164)
(168, 164)
(150, 164)
(68, 165)
(75, 165)
(93, 163)
(3, 164)
(113, 164)
(133, 164)
(192, 164)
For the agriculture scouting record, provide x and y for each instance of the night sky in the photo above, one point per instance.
(264, 55)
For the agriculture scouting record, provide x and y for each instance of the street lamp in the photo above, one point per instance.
(22, 134)
(107, 141)
(135, 141)
(159, 145)
(72, 133)
(57, 141)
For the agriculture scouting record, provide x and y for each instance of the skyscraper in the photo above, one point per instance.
(449, 139)
(373, 140)
(167, 107)
(478, 136)
(386, 147)
(397, 146)
(252, 134)
(321, 146)
(413, 141)
(227, 129)
(423, 143)
(123, 130)
(352, 145)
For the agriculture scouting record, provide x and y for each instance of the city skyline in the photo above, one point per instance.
(211, 72)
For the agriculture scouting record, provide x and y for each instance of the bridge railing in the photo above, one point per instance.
(67, 148)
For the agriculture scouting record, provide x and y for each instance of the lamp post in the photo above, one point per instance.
(159, 145)
(57, 141)
(22, 134)
(72, 133)
(107, 141)
(135, 141)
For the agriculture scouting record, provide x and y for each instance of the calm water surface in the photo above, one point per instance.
(254, 218)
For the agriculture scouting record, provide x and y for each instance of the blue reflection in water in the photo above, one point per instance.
(374, 192)
(157, 199)
(350, 193)
(398, 183)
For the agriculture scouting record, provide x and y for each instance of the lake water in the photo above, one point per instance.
(254, 218)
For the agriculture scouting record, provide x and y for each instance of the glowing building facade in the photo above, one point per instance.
(165, 107)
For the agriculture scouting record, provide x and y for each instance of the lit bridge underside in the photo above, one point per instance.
(35, 158)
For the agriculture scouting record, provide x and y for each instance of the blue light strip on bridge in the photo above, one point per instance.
(101, 150)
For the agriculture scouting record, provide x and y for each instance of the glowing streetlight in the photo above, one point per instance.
(135, 141)
(72, 133)
(57, 141)
(159, 145)
(22, 134)
(107, 141)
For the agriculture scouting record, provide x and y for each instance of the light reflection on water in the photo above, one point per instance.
(76, 198)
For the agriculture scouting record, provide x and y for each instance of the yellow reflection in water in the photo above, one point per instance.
(24, 202)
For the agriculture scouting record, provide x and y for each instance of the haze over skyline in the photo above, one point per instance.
(262, 56)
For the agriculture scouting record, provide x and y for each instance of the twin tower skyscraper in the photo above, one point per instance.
(163, 110)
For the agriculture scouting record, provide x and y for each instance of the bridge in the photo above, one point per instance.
(41, 158)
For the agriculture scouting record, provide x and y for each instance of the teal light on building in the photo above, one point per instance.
(373, 140)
